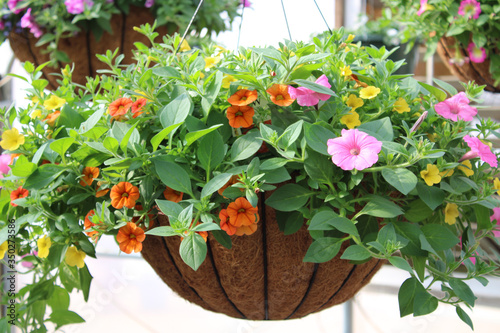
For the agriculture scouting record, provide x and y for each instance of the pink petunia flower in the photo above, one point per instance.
(307, 97)
(149, 3)
(496, 216)
(77, 6)
(354, 150)
(28, 264)
(476, 54)
(456, 107)
(423, 7)
(4, 164)
(246, 3)
(479, 149)
(470, 9)
(12, 5)
(28, 21)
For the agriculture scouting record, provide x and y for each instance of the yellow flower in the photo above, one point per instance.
(184, 46)
(466, 168)
(432, 137)
(65, 71)
(3, 249)
(354, 102)
(35, 99)
(496, 185)
(451, 213)
(400, 106)
(211, 61)
(221, 49)
(369, 92)
(431, 175)
(345, 71)
(44, 245)
(447, 173)
(351, 120)
(347, 49)
(11, 139)
(54, 102)
(226, 81)
(349, 38)
(74, 257)
(36, 114)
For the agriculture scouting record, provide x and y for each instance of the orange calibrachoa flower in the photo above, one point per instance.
(124, 194)
(18, 194)
(138, 106)
(172, 195)
(130, 238)
(240, 116)
(89, 173)
(241, 212)
(243, 97)
(89, 224)
(246, 229)
(224, 223)
(120, 106)
(100, 193)
(233, 180)
(279, 95)
(51, 118)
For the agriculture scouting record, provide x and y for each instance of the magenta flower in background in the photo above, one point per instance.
(12, 5)
(149, 3)
(476, 54)
(4, 164)
(479, 149)
(456, 107)
(354, 150)
(423, 7)
(470, 9)
(28, 264)
(496, 216)
(77, 6)
(28, 22)
(246, 3)
(307, 97)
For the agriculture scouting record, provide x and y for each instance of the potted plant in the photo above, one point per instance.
(73, 31)
(465, 33)
(242, 177)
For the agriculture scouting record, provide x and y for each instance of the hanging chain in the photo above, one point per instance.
(286, 21)
(324, 20)
(241, 22)
(189, 25)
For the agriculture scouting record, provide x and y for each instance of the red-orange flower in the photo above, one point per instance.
(227, 225)
(172, 195)
(241, 212)
(124, 194)
(243, 97)
(18, 194)
(240, 116)
(279, 95)
(233, 180)
(224, 223)
(138, 106)
(89, 224)
(51, 118)
(100, 193)
(120, 106)
(89, 173)
(246, 229)
(130, 238)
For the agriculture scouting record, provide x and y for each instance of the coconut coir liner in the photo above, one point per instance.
(262, 277)
(83, 47)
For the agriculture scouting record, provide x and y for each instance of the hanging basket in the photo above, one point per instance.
(469, 71)
(262, 277)
(83, 47)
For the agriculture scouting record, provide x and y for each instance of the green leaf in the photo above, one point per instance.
(59, 300)
(245, 146)
(85, 281)
(169, 208)
(43, 176)
(315, 87)
(446, 86)
(402, 179)
(291, 134)
(176, 111)
(276, 176)
(418, 211)
(159, 137)
(482, 217)
(173, 176)
(387, 235)
(381, 207)
(211, 151)
(91, 121)
(65, 317)
(273, 163)
(401, 264)
(23, 167)
(439, 237)
(424, 303)
(211, 92)
(62, 145)
(465, 317)
(193, 250)
(111, 144)
(322, 219)
(411, 232)
(207, 226)
(164, 231)
(319, 167)
(432, 196)
(215, 184)
(289, 197)
(355, 252)
(323, 249)
(463, 291)
(223, 238)
(317, 137)
(132, 136)
(381, 129)
(293, 223)
(191, 137)
(406, 295)
(167, 72)
(438, 93)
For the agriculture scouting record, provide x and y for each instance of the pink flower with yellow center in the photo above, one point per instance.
(423, 7)
(476, 54)
(479, 149)
(354, 150)
(496, 217)
(307, 97)
(470, 9)
(456, 107)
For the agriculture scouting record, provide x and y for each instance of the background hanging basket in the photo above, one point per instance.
(262, 277)
(469, 71)
(83, 47)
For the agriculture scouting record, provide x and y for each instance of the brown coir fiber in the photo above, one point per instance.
(262, 277)
(83, 47)
(468, 71)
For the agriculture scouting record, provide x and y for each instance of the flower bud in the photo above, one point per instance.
(419, 122)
